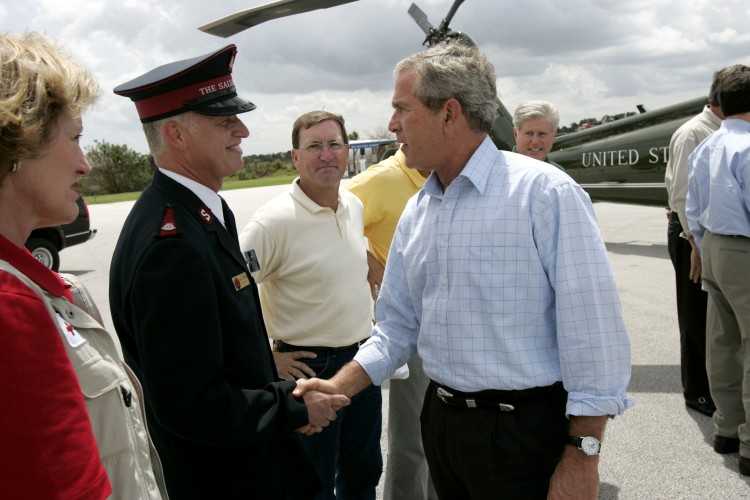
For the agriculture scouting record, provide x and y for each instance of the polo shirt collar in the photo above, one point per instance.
(412, 173)
(295, 191)
(711, 116)
(414, 176)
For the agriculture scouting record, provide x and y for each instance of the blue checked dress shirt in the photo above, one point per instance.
(719, 182)
(503, 282)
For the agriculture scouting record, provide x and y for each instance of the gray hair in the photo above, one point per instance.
(153, 131)
(454, 71)
(531, 110)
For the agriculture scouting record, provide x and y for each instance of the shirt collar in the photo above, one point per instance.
(412, 173)
(711, 116)
(295, 191)
(21, 259)
(476, 171)
(208, 196)
(736, 124)
(414, 176)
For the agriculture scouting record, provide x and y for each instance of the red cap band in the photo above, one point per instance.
(175, 99)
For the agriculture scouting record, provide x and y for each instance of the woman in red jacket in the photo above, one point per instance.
(47, 446)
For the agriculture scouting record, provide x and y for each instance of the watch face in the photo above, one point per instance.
(590, 445)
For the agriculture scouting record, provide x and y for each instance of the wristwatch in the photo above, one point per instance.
(587, 444)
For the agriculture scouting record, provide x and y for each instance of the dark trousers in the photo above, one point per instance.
(480, 453)
(347, 453)
(691, 315)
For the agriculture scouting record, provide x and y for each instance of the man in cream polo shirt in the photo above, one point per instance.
(307, 251)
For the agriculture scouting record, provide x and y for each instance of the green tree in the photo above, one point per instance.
(115, 168)
(257, 166)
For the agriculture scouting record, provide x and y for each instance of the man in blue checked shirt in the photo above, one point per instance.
(499, 278)
(718, 214)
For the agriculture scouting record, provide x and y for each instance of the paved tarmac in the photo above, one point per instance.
(658, 449)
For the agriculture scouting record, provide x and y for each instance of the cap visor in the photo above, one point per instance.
(232, 106)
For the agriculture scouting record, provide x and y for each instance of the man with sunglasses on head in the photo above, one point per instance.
(307, 251)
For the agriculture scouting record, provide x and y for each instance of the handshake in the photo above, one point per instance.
(322, 399)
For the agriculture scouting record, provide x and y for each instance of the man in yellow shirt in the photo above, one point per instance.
(384, 189)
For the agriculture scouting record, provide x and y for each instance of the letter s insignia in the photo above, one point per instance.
(205, 214)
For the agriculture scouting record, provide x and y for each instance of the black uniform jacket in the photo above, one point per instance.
(188, 316)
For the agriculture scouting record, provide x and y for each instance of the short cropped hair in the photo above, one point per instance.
(713, 93)
(313, 118)
(531, 110)
(454, 71)
(734, 90)
(153, 130)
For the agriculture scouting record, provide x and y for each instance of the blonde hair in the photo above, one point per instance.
(39, 81)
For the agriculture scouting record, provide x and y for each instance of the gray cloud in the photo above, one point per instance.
(589, 57)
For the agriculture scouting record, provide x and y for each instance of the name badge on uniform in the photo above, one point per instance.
(252, 261)
(240, 281)
(72, 336)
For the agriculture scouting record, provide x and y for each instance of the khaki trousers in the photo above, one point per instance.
(407, 475)
(726, 276)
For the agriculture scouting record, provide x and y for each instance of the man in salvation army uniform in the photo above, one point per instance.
(187, 311)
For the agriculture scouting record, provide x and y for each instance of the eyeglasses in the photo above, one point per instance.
(317, 148)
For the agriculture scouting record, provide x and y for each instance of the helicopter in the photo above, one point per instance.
(622, 161)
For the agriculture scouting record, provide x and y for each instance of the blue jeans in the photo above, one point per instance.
(347, 453)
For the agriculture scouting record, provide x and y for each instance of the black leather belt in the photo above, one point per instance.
(492, 399)
(290, 347)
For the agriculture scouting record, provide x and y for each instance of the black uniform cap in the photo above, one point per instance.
(201, 84)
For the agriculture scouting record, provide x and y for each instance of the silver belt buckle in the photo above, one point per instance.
(443, 394)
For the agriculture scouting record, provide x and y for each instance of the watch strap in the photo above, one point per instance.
(575, 441)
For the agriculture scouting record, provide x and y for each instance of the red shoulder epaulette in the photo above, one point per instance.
(168, 225)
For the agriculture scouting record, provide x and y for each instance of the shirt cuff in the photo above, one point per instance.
(373, 361)
(585, 405)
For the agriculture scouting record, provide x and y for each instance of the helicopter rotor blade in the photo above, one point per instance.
(420, 18)
(451, 13)
(240, 21)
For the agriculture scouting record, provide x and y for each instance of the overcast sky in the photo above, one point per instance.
(591, 58)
